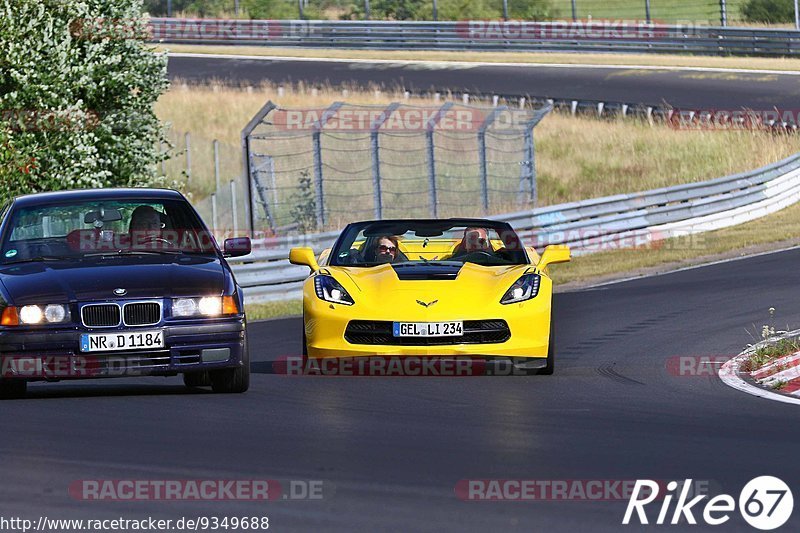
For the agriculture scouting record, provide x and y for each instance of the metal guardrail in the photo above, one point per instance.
(597, 36)
(598, 224)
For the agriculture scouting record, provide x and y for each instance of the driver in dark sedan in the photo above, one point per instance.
(145, 226)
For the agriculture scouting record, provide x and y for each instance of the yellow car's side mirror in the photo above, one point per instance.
(554, 254)
(303, 256)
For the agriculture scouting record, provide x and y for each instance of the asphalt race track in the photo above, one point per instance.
(685, 89)
(390, 451)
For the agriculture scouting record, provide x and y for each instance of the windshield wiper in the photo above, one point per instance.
(118, 253)
(38, 258)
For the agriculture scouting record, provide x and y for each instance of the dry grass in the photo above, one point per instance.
(577, 157)
(583, 58)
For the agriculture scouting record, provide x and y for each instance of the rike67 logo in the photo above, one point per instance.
(765, 503)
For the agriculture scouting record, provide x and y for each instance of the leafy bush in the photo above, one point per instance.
(768, 11)
(77, 88)
(304, 204)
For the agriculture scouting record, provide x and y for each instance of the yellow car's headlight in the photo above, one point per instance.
(524, 288)
(330, 290)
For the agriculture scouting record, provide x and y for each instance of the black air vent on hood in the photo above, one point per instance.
(426, 271)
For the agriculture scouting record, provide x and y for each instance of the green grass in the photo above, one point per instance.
(274, 309)
(778, 385)
(766, 354)
(670, 11)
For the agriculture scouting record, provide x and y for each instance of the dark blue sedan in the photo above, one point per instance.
(117, 283)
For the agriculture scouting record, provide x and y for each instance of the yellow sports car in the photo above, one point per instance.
(443, 288)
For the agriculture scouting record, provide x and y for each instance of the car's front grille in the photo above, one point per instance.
(141, 313)
(101, 315)
(380, 332)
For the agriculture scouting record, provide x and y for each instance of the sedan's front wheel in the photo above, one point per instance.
(197, 379)
(233, 380)
(11, 389)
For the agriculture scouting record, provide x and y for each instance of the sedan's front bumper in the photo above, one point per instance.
(54, 354)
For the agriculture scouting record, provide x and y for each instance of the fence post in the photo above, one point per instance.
(374, 131)
(234, 214)
(482, 153)
(647, 10)
(274, 184)
(367, 13)
(429, 131)
(188, 140)
(216, 165)
(796, 15)
(247, 166)
(300, 8)
(505, 9)
(214, 224)
(574, 11)
(529, 164)
(723, 13)
(317, 141)
(163, 160)
(435, 11)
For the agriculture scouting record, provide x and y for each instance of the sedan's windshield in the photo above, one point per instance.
(104, 227)
(434, 242)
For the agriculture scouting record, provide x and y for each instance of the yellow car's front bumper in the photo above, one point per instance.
(326, 323)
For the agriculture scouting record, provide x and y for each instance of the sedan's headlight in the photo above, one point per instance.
(524, 288)
(330, 290)
(209, 306)
(30, 315)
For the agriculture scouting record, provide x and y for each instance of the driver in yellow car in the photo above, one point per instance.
(474, 240)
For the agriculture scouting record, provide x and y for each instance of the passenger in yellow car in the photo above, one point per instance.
(383, 249)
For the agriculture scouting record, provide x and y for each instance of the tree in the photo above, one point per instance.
(77, 88)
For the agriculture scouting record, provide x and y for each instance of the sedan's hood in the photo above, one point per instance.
(142, 276)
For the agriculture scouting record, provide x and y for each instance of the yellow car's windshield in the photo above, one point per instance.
(455, 241)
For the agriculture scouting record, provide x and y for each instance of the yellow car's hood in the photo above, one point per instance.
(386, 284)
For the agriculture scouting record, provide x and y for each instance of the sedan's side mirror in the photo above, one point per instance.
(554, 254)
(236, 247)
(303, 256)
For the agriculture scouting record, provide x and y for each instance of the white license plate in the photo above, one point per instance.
(428, 329)
(123, 340)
